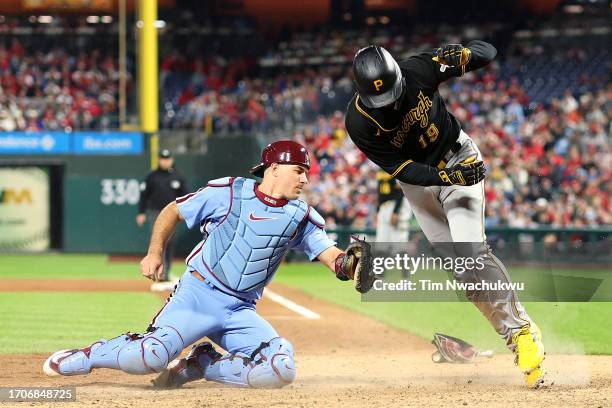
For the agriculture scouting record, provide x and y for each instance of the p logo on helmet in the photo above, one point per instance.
(378, 83)
(378, 77)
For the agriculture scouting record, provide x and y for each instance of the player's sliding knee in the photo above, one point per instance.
(274, 365)
(150, 353)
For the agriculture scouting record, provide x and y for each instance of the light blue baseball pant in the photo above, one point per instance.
(194, 310)
(197, 309)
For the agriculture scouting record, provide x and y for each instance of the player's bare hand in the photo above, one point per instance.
(466, 174)
(140, 219)
(394, 219)
(152, 266)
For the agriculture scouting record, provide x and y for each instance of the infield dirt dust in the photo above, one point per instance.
(343, 360)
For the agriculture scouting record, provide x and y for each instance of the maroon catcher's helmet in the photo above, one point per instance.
(282, 152)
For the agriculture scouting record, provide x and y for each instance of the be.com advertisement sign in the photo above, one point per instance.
(85, 143)
(107, 143)
(24, 209)
(34, 143)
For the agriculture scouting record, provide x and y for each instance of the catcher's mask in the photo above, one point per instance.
(282, 152)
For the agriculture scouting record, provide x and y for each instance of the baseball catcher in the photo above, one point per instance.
(247, 228)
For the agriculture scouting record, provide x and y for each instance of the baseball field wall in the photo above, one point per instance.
(86, 202)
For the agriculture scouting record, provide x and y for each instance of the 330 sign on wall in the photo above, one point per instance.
(120, 191)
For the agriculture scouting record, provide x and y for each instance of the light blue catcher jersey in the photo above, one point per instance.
(246, 234)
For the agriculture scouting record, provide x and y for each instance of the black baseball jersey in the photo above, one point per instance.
(160, 188)
(409, 138)
(389, 190)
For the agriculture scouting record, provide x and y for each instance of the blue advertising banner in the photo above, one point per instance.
(107, 143)
(34, 142)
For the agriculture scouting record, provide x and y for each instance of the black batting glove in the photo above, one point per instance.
(452, 55)
(463, 174)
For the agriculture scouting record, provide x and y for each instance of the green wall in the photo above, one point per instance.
(100, 193)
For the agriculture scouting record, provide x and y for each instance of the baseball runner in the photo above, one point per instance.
(247, 228)
(399, 121)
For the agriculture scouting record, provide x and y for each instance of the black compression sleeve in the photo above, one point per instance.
(420, 174)
(482, 53)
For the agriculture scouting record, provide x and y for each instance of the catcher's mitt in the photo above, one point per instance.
(357, 264)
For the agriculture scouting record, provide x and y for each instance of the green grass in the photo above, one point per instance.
(66, 266)
(47, 321)
(34, 322)
(567, 327)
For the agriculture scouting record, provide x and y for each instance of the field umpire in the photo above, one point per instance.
(161, 187)
(400, 122)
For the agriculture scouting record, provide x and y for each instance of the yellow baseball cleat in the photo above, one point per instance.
(529, 351)
(535, 378)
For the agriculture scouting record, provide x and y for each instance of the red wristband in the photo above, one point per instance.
(338, 267)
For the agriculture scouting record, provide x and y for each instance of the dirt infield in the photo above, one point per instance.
(343, 360)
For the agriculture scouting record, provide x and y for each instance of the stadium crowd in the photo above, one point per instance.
(549, 163)
(55, 89)
(549, 166)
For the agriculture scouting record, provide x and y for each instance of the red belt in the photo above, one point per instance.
(199, 277)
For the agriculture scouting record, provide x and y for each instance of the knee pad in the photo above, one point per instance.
(274, 365)
(231, 369)
(150, 353)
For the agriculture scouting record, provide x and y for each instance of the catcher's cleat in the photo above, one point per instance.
(70, 362)
(529, 351)
(169, 377)
(186, 369)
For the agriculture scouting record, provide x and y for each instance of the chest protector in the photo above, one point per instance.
(244, 251)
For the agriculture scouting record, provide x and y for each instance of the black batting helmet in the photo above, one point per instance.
(378, 76)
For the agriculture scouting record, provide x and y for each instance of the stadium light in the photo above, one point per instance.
(93, 19)
(156, 24)
(573, 9)
(384, 20)
(45, 19)
(106, 19)
(370, 21)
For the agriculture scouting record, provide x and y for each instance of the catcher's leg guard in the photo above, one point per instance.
(150, 353)
(134, 353)
(270, 366)
(71, 362)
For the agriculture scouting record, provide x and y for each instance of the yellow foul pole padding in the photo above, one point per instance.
(147, 81)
